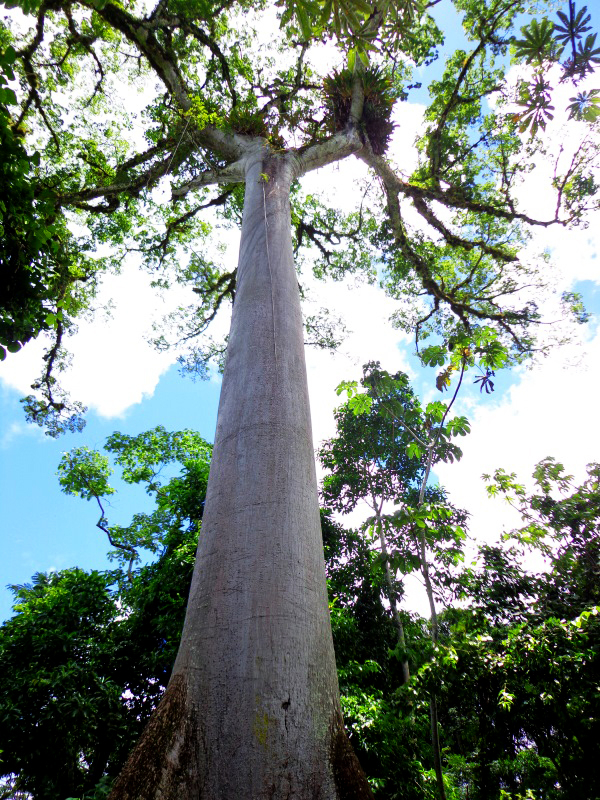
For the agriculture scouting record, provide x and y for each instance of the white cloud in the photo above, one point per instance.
(551, 411)
(366, 312)
(15, 430)
(113, 367)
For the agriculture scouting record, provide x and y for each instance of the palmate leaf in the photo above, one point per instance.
(586, 52)
(572, 27)
(537, 44)
(538, 108)
(342, 17)
(534, 120)
(583, 54)
(485, 381)
(347, 19)
(401, 11)
(305, 12)
(585, 106)
(349, 16)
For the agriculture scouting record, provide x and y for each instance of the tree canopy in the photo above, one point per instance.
(219, 79)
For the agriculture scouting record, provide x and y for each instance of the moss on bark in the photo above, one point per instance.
(350, 780)
(164, 763)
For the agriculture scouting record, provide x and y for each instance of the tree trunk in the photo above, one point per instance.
(252, 709)
(433, 716)
(391, 595)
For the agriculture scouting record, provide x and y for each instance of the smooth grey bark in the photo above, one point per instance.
(252, 708)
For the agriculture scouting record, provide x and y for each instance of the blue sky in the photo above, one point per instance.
(42, 528)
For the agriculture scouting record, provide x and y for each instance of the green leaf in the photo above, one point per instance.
(360, 404)
(413, 450)
(364, 56)
(350, 387)
(304, 21)
(352, 59)
(326, 12)
(537, 44)
(7, 97)
(434, 356)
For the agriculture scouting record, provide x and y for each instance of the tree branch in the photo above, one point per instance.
(141, 33)
(232, 173)
(447, 197)
(458, 241)
(334, 149)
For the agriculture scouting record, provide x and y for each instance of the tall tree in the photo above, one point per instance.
(252, 708)
(375, 457)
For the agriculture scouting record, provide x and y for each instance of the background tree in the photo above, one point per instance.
(376, 458)
(62, 705)
(531, 710)
(87, 656)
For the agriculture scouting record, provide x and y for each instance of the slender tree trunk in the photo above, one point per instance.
(252, 708)
(433, 716)
(428, 588)
(391, 595)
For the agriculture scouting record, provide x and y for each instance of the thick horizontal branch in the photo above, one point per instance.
(132, 186)
(336, 148)
(233, 173)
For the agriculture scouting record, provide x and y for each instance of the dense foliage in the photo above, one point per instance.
(514, 671)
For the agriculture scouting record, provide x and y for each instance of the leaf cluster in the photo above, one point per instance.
(41, 276)
(545, 43)
(85, 473)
